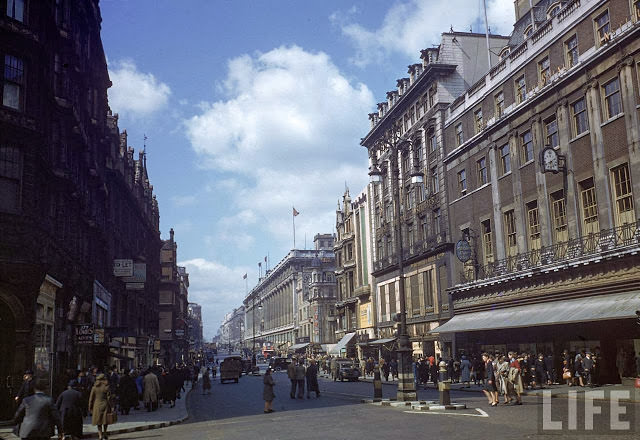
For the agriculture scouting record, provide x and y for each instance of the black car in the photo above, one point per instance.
(279, 363)
(348, 370)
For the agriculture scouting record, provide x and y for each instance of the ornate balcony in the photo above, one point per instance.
(621, 239)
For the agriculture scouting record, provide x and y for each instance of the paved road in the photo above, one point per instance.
(235, 411)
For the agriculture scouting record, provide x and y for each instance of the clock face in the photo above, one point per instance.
(550, 160)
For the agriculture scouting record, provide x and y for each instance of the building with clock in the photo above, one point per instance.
(543, 177)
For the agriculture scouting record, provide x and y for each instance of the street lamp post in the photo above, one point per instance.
(393, 142)
(253, 323)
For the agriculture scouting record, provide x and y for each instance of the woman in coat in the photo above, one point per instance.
(99, 405)
(267, 393)
(70, 406)
(206, 382)
(465, 369)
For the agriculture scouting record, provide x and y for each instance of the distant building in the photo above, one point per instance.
(196, 340)
(173, 307)
(297, 298)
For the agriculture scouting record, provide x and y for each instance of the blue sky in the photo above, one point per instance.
(253, 107)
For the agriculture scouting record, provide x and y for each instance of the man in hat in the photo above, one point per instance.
(26, 389)
(70, 405)
(37, 415)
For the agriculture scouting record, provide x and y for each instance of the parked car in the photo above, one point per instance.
(279, 363)
(346, 370)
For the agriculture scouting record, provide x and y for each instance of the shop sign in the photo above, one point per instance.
(134, 286)
(98, 336)
(122, 268)
(84, 334)
(139, 274)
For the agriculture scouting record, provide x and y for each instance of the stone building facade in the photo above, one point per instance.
(72, 199)
(542, 159)
(297, 298)
(411, 122)
(354, 306)
(173, 312)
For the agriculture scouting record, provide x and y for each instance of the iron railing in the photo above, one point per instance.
(581, 248)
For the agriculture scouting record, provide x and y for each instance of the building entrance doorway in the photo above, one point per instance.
(8, 385)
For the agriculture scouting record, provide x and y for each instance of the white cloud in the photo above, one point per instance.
(217, 288)
(180, 201)
(134, 93)
(287, 134)
(413, 25)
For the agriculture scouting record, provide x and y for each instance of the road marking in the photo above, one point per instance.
(482, 413)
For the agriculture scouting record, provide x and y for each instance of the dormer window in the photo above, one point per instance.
(528, 31)
(553, 10)
(504, 52)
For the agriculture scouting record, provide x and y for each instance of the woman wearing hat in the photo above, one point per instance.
(99, 405)
(267, 393)
(70, 407)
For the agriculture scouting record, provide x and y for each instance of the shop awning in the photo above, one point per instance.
(593, 308)
(342, 343)
(382, 341)
(297, 347)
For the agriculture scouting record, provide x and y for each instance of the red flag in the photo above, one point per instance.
(244, 277)
(265, 259)
(260, 264)
(295, 213)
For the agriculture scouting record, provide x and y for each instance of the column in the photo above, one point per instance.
(497, 212)
(570, 196)
(600, 169)
(544, 216)
(625, 69)
(518, 205)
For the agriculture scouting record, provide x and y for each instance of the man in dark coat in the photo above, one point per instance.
(291, 374)
(26, 389)
(312, 379)
(127, 393)
(70, 406)
(37, 415)
(300, 376)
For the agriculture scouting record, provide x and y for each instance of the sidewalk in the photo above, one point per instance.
(137, 420)
(557, 391)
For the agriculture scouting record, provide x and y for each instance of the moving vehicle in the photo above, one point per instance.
(279, 363)
(346, 369)
(231, 369)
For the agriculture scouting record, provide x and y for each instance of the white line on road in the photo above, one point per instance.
(448, 413)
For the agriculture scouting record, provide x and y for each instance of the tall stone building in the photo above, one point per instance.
(73, 198)
(173, 306)
(544, 177)
(196, 340)
(411, 123)
(297, 299)
(354, 305)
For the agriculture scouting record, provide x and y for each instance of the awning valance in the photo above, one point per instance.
(382, 341)
(297, 347)
(342, 344)
(588, 309)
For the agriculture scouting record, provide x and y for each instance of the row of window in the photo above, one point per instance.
(623, 212)
(579, 125)
(612, 105)
(420, 291)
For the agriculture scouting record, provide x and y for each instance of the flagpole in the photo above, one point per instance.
(294, 231)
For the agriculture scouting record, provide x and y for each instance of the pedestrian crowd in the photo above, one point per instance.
(99, 393)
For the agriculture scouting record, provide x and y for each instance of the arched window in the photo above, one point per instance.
(504, 52)
(553, 10)
(528, 31)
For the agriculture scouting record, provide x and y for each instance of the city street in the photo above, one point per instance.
(235, 411)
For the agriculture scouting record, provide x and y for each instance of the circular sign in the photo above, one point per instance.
(463, 250)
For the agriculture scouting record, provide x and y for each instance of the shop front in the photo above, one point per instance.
(602, 324)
